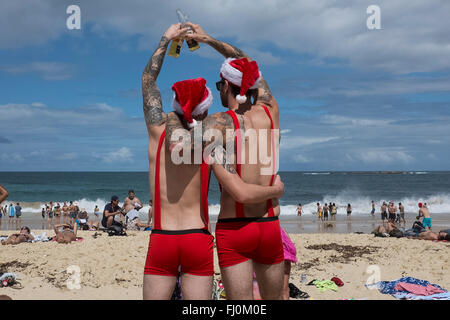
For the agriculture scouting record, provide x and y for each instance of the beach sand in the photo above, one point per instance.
(112, 267)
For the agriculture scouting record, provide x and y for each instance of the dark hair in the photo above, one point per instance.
(113, 198)
(26, 228)
(235, 90)
(130, 191)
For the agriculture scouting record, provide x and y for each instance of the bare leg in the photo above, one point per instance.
(196, 287)
(287, 273)
(238, 281)
(270, 280)
(158, 287)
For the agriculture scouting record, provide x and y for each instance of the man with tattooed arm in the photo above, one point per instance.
(248, 236)
(180, 237)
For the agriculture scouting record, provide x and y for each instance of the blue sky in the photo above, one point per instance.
(350, 98)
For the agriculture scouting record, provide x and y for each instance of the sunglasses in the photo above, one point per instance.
(219, 85)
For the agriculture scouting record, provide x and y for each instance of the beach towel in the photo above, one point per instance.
(417, 289)
(290, 252)
(40, 238)
(388, 287)
(324, 285)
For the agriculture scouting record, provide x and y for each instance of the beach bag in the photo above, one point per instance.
(116, 230)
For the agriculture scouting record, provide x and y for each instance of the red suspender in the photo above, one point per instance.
(205, 174)
(157, 200)
(269, 202)
(239, 206)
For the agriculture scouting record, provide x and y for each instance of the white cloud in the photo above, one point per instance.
(53, 71)
(301, 159)
(124, 154)
(298, 141)
(384, 156)
(414, 35)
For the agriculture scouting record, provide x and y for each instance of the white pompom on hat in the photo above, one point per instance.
(242, 73)
(191, 98)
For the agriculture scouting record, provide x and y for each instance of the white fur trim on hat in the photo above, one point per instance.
(192, 124)
(234, 75)
(241, 99)
(204, 105)
(199, 109)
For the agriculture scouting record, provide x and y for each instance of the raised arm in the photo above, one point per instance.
(3, 193)
(229, 51)
(153, 112)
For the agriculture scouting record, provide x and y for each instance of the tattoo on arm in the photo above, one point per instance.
(264, 93)
(226, 49)
(154, 114)
(220, 156)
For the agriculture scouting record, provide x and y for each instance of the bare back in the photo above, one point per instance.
(251, 171)
(180, 187)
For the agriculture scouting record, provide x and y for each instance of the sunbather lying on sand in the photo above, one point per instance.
(65, 233)
(17, 238)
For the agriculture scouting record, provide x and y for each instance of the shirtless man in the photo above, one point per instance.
(392, 208)
(65, 210)
(65, 233)
(248, 237)
(17, 238)
(180, 218)
(425, 213)
(319, 211)
(131, 202)
(58, 213)
(373, 208)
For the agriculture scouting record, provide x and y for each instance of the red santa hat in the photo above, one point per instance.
(191, 98)
(242, 73)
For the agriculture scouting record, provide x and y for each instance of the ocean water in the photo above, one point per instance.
(33, 189)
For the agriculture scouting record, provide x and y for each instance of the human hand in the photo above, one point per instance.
(197, 34)
(175, 31)
(279, 185)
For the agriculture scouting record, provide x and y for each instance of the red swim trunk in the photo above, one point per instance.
(190, 249)
(241, 239)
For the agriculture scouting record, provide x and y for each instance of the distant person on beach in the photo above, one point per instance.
(349, 209)
(65, 210)
(319, 211)
(43, 212)
(3, 194)
(392, 209)
(180, 198)
(373, 208)
(72, 214)
(11, 213)
(131, 202)
(325, 211)
(18, 211)
(111, 210)
(425, 213)
(333, 211)
(96, 211)
(401, 214)
(65, 233)
(133, 222)
(299, 209)
(58, 213)
(383, 211)
(16, 238)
